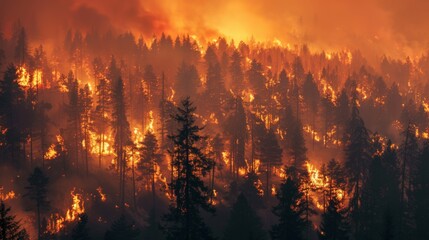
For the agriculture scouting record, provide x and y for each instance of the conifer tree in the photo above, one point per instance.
(311, 98)
(244, 222)
(10, 229)
(298, 151)
(103, 93)
(187, 81)
(290, 211)
(122, 228)
(149, 160)
(85, 102)
(236, 72)
(256, 77)
(235, 126)
(357, 158)
(251, 189)
(271, 156)
(421, 194)
(12, 118)
(37, 191)
(122, 133)
(21, 48)
(73, 111)
(190, 193)
(334, 225)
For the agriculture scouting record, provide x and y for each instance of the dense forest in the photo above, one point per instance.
(115, 136)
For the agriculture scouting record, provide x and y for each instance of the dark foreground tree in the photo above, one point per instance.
(244, 222)
(152, 230)
(10, 229)
(290, 211)
(357, 159)
(37, 191)
(421, 194)
(12, 109)
(81, 231)
(333, 226)
(190, 193)
(122, 228)
(121, 129)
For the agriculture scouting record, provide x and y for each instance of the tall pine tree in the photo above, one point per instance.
(190, 193)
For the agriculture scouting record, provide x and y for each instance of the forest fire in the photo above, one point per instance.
(156, 114)
(56, 222)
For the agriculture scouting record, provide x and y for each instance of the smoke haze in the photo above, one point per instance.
(396, 28)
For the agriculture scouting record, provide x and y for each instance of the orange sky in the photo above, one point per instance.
(393, 27)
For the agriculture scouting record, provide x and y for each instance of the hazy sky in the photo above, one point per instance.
(395, 27)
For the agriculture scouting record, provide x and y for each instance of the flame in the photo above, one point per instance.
(225, 157)
(242, 171)
(60, 141)
(315, 176)
(248, 95)
(362, 91)
(171, 97)
(328, 89)
(24, 78)
(56, 222)
(51, 153)
(421, 134)
(328, 55)
(102, 195)
(7, 196)
(308, 129)
(425, 106)
(213, 118)
(318, 181)
(106, 147)
(37, 77)
(273, 190)
(149, 127)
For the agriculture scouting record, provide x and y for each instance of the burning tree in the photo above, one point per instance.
(85, 102)
(149, 161)
(121, 128)
(271, 155)
(73, 111)
(190, 193)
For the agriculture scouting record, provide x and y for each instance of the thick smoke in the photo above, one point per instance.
(397, 28)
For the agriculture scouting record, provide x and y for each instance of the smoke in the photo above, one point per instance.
(396, 28)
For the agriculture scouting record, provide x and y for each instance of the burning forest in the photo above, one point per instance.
(182, 120)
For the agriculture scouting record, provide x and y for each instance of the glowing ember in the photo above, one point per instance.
(7, 196)
(102, 195)
(273, 190)
(51, 153)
